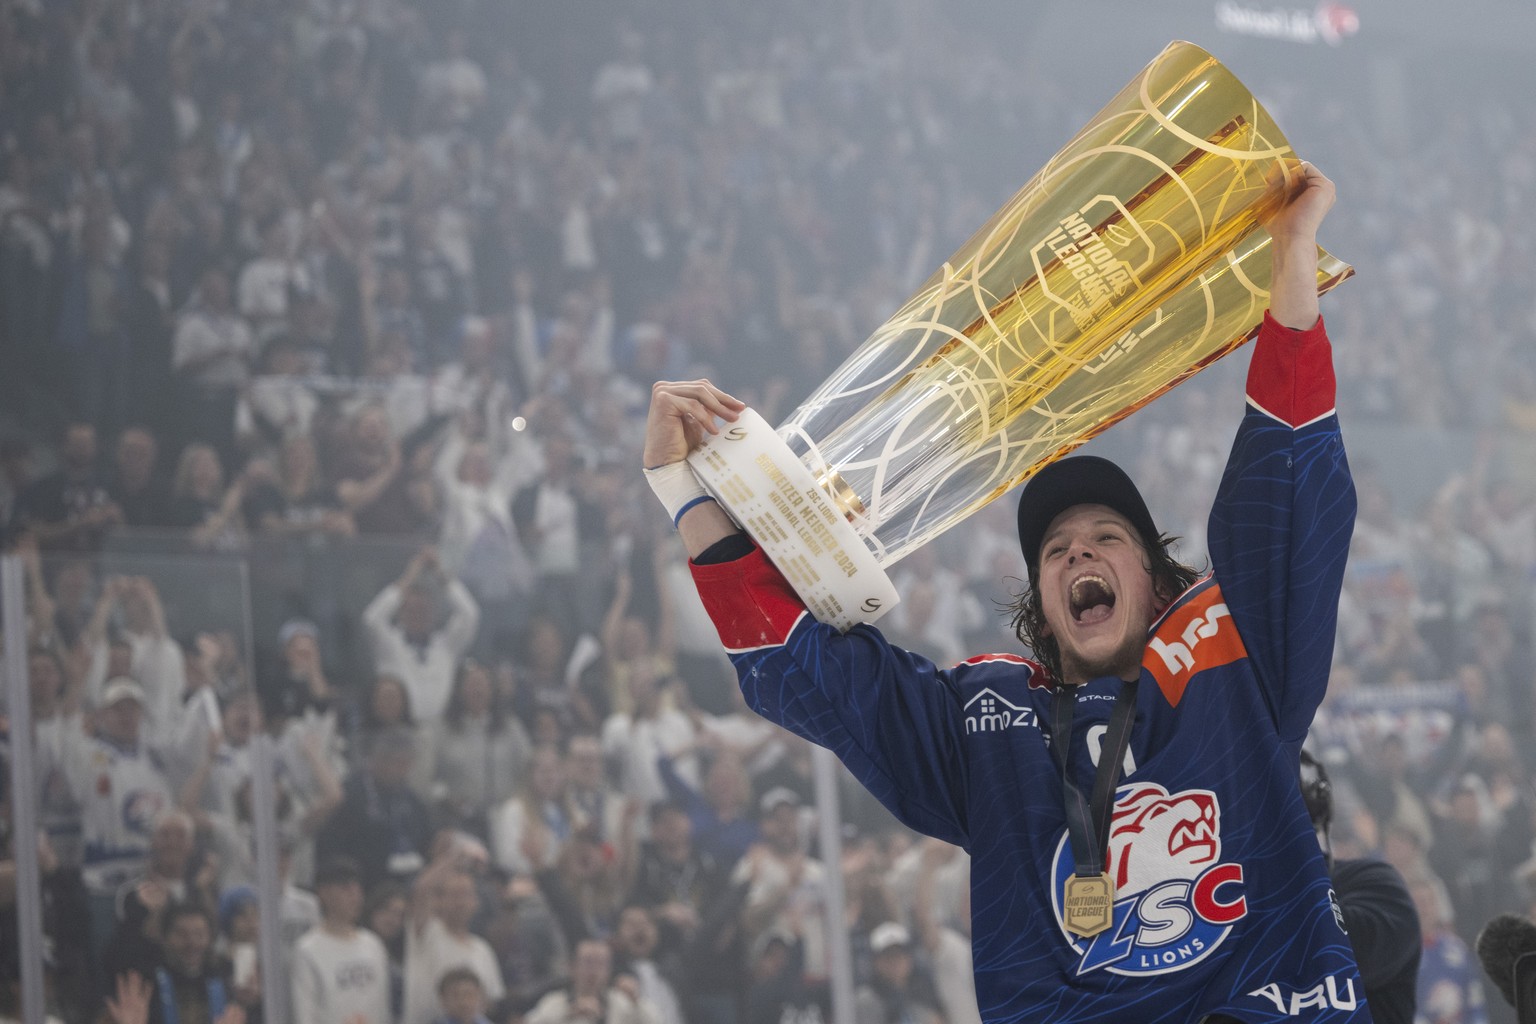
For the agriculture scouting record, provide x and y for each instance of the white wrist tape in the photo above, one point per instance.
(677, 488)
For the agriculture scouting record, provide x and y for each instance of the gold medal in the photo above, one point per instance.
(1089, 904)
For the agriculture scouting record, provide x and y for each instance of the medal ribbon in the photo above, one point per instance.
(1088, 820)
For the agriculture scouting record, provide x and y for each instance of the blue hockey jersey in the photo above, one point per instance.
(1222, 899)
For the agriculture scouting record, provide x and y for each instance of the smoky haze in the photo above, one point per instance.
(362, 303)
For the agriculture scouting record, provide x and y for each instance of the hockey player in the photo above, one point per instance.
(1140, 850)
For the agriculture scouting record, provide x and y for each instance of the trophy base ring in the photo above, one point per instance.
(770, 493)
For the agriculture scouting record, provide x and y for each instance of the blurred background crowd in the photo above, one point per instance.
(326, 335)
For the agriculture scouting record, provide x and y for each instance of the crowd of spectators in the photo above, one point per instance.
(366, 297)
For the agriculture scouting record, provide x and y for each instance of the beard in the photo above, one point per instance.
(1124, 662)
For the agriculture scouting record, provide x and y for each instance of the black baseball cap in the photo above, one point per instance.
(1081, 480)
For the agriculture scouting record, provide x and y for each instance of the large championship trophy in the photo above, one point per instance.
(1131, 261)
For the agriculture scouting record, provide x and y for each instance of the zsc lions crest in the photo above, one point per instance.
(1175, 900)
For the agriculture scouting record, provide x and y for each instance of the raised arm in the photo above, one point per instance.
(463, 615)
(445, 467)
(1293, 234)
(666, 607)
(381, 610)
(1280, 527)
(190, 796)
(609, 633)
(95, 632)
(328, 790)
(890, 716)
(525, 333)
(424, 889)
(40, 606)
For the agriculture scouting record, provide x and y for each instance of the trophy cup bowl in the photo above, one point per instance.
(1131, 261)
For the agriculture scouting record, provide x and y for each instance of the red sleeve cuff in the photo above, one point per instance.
(1291, 375)
(750, 602)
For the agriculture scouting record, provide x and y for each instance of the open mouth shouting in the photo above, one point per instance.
(1091, 599)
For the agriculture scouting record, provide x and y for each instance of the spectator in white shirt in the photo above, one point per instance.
(454, 84)
(485, 458)
(528, 829)
(211, 352)
(591, 997)
(444, 901)
(630, 642)
(598, 805)
(340, 971)
(392, 385)
(231, 835)
(121, 792)
(212, 343)
(472, 381)
(621, 87)
(636, 741)
(408, 640)
(945, 930)
(279, 402)
(384, 707)
(479, 750)
(553, 518)
(156, 661)
(787, 889)
(635, 941)
(267, 282)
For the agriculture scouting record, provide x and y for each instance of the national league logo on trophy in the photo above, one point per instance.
(1131, 261)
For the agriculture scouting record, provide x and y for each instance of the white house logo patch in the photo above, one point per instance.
(988, 712)
(1175, 899)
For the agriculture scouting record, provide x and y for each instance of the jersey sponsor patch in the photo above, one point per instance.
(1176, 900)
(1196, 634)
(990, 711)
(1336, 992)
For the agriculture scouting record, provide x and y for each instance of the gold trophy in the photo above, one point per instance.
(1131, 261)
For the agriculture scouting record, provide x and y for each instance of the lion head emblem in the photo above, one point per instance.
(1154, 837)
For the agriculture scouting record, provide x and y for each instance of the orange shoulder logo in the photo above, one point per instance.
(1193, 636)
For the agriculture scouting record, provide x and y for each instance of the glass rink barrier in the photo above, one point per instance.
(154, 817)
(210, 747)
